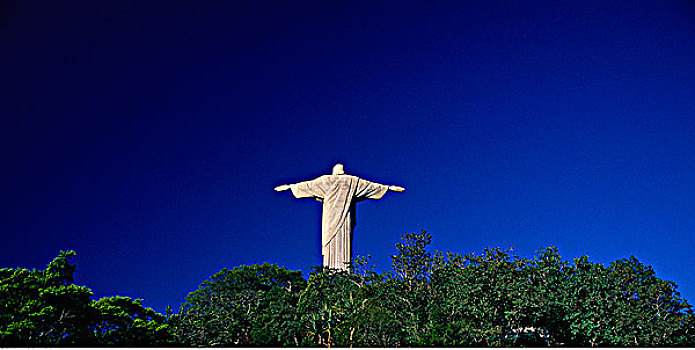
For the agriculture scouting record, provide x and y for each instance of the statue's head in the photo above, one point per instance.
(338, 169)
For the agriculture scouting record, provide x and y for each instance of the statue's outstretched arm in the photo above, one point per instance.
(282, 188)
(396, 188)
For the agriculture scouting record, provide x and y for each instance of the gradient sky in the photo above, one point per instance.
(149, 136)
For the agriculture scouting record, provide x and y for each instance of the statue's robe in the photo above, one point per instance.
(339, 193)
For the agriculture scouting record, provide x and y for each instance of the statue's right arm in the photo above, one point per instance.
(282, 188)
(304, 189)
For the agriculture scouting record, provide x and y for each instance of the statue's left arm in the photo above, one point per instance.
(395, 188)
(372, 190)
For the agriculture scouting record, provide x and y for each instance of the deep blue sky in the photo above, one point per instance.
(149, 136)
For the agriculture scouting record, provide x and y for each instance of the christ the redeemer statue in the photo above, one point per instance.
(339, 193)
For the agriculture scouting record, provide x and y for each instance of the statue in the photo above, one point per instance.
(339, 193)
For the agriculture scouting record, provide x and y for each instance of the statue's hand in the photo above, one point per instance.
(282, 188)
(396, 188)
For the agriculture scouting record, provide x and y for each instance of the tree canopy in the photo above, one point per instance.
(428, 298)
(440, 299)
(46, 308)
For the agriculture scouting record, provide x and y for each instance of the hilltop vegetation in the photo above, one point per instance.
(45, 308)
(427, 299)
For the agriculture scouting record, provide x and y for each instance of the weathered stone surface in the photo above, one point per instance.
(339, 193)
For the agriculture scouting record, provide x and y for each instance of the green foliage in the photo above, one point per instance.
(122, 321)
(413, 261)
(440, 299)
(428, 299)
(45, 308)
(246, 305)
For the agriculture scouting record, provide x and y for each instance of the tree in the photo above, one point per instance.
(122, 321)
(623, 304)
(45, 308)
(247, 305)
(356, 308)
(494, 298)
(413, 267)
